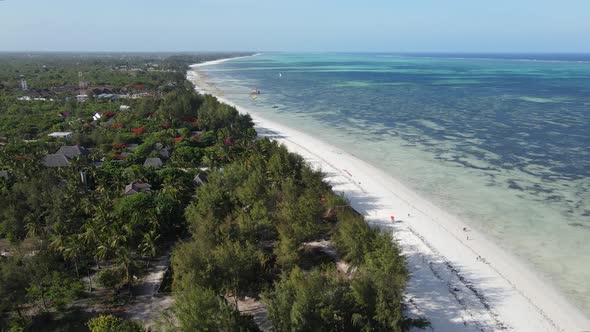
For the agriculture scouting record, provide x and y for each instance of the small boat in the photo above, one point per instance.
(254, 92)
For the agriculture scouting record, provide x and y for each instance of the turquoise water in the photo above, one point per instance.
(501, 141)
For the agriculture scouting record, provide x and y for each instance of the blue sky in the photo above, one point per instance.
(302, 25)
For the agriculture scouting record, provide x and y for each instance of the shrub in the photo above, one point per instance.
(138, 131)
(110, 323)
(110, 278)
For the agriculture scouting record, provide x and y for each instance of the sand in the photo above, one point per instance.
(459, 279)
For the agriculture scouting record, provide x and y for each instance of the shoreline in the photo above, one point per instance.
(449, 284)
(218, 61)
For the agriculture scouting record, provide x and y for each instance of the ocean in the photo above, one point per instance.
(500, 140)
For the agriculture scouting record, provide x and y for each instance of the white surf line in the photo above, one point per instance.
(432, 289)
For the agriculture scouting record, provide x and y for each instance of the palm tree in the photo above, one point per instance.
(70, 248)
(96, 232)
(148, 247)
(123, 258)
(72, 251)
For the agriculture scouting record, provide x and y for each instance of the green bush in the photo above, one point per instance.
(110, 323)
(111, 277)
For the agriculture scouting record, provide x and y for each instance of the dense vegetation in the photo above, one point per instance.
(245, 218)
(253, 229)
(56, 229)
(57, 77)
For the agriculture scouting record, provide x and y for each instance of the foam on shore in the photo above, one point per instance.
(459, 280)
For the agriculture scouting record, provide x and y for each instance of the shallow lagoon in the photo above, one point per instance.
(500, 141)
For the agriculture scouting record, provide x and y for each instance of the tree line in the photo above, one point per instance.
(250, 225)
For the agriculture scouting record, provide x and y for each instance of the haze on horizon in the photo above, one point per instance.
(304, 26)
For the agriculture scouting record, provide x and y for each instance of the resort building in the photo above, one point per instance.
(164, 152)
(61, 134)
(153, 162)
(55, 160)
(131, 147)
(134, 188)
(62, 157)
(72, 151)
(200, 179)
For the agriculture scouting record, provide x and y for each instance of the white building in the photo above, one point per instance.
(61, 134)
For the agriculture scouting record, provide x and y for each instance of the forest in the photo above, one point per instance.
(158, 181)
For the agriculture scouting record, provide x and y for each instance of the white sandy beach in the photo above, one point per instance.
(449, 284)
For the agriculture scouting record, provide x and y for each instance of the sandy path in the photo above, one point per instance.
(146, 306)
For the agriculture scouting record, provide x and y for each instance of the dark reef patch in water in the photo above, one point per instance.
(529, 118)
(577, 224)
(513, 185)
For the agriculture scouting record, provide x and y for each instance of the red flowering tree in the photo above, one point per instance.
(138, 131)
(178, 139)
(117, 125)
(117, 156)
(108, 114)
(118, 146)
(229, 141)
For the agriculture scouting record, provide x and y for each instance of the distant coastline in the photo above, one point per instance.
(527, 297)
(216, 62)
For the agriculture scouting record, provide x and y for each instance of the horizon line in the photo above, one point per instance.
(298, 52)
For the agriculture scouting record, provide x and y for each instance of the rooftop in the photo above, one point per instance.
(200, 179)
(153, 162)
(72, 151)
(66, 134)
(55, 160)
(134, 188)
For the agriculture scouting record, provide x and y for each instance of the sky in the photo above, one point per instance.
(296, 26)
